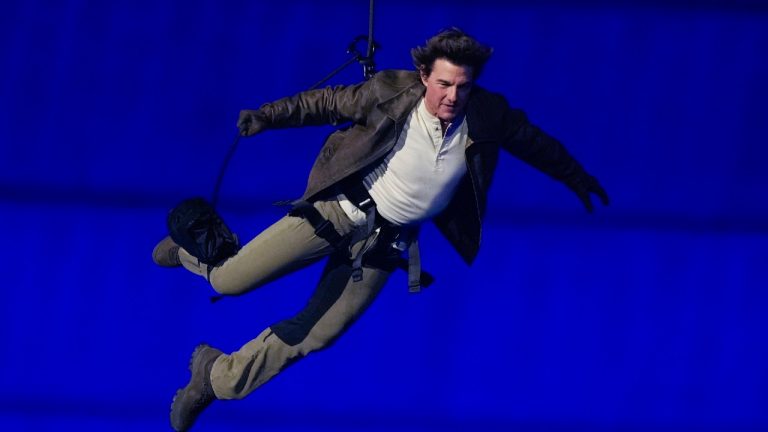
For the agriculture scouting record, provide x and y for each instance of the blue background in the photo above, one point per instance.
(648, 315)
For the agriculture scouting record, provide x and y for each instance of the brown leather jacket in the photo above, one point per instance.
(378, 109)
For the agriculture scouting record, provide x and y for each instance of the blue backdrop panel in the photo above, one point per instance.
(647, 315)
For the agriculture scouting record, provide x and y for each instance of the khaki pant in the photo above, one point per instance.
(286, 246)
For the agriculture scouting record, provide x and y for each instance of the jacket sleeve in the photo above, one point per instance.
(533, 146)
(331, 105)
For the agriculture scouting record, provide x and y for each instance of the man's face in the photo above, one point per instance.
(448, 88)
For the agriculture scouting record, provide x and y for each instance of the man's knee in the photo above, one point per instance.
(226, 284)
(307, 336)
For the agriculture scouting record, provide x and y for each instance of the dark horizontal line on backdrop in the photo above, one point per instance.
(51, 410)
(121, 411)
(603, 218)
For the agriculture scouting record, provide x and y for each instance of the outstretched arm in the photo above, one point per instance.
(331, 105)
(534, 147)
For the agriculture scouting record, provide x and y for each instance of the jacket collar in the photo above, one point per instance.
(402, 103)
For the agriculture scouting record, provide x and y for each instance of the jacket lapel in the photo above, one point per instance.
(399, 106)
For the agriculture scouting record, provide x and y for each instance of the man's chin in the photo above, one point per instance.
(447, 117)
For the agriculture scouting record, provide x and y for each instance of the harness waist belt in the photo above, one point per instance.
(324, 228)
(358, 195)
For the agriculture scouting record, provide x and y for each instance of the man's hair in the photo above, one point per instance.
(455, 46)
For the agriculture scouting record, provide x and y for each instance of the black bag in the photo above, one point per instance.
(195, 226)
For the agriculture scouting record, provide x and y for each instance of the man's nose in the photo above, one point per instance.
(450, 95)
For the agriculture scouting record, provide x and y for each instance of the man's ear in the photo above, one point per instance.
(423, 74)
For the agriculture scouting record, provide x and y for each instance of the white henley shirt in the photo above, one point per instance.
(418, 177)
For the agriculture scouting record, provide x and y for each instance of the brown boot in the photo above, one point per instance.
(190, 401)
(166, 253)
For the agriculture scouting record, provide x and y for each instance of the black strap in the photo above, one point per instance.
(323, 227)
(414, 266)
(357, 194)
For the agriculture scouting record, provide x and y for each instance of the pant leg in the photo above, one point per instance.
(337, 302)
(286, 246)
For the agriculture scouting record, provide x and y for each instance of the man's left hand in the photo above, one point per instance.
(585, 186)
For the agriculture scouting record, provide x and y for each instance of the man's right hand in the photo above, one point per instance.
(249, 123)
